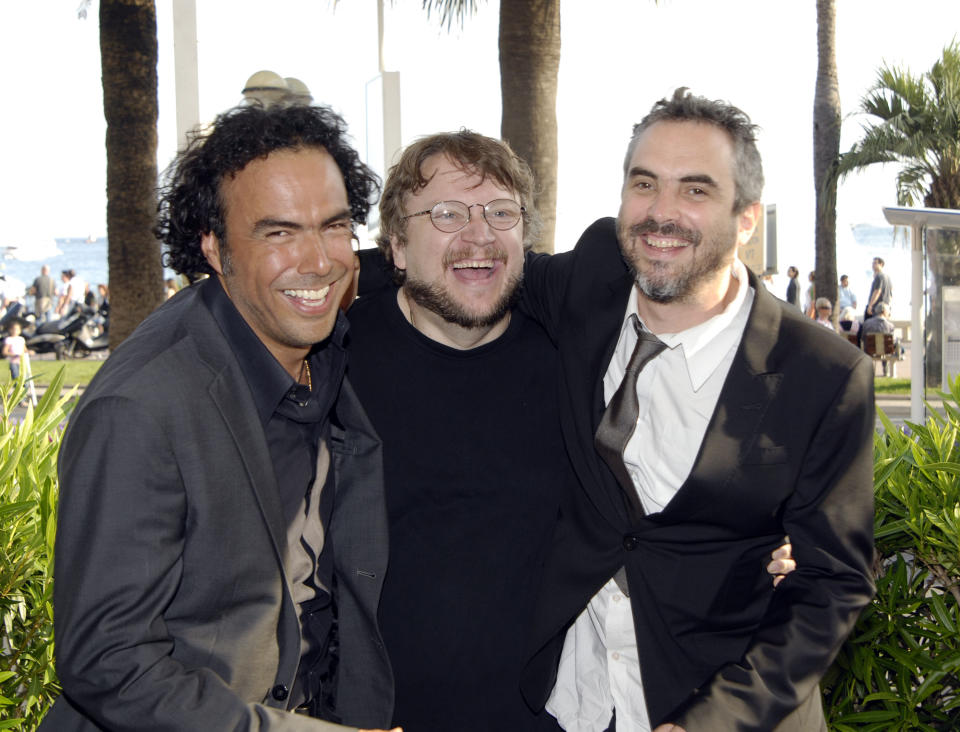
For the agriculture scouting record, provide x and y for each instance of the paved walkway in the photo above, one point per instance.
(897, 407)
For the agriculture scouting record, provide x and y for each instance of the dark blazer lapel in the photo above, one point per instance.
(244, 424)
(750, 386)
(595, 332)
(230, 394)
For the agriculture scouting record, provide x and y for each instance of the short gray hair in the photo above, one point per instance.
(685, 107)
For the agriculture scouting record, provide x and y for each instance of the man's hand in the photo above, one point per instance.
(782, 562)
(395, 729)
(669, 728)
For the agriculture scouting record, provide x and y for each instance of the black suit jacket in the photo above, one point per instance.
(788, 450)
(172, 607)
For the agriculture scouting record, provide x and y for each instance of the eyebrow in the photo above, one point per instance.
(269, 223)
(263, 224)
(701, 178)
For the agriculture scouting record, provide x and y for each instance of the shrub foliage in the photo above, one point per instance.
(900, 670)
(28, 499)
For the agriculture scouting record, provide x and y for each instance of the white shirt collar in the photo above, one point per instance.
(704, 345)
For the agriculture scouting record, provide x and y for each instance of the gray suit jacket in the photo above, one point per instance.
(172, 607)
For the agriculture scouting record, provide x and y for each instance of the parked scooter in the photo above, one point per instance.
(75, 335)
(45, 338)
(86, 331)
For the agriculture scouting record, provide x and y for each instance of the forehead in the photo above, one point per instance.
(681, 148)
(305, 180)
(449, 180)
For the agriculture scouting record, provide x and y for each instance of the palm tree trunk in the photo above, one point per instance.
(128, 53)
(826, 149)
(529, 64)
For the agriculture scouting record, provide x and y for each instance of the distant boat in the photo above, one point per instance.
(31, 250)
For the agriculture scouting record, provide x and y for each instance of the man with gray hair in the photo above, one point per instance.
(706, 420)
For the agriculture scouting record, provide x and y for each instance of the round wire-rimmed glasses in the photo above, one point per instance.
(451, 216)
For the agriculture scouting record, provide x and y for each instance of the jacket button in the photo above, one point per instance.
(280, 692)
(630, 542)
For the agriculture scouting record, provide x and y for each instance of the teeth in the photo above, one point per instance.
(482, 264)
(320, 294)
(667, 243)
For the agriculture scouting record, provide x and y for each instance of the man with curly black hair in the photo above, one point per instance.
(221, 535)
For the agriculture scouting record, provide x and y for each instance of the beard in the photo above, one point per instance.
(665, 282)
(437, 299)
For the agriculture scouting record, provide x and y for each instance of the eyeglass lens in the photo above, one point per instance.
(450, 216)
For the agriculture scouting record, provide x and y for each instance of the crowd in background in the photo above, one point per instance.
(850, 322)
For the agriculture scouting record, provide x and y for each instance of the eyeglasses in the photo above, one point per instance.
(450, 216)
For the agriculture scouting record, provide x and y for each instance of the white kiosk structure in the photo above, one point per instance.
(919, 220)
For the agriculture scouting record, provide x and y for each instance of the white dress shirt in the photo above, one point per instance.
(678, 392)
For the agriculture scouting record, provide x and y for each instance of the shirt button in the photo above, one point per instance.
(615, 656)
(630, 542)
(280, 692)
(616, 598)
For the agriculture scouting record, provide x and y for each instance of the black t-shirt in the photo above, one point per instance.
(474, 468)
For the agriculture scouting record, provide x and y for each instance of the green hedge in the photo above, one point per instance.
(28, 499)
(900, 670)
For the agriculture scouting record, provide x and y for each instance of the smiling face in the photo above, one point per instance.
(676, 225)
(288, 256)
(468, 278)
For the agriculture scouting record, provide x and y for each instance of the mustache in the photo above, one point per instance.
(497, 254)
(649, 226)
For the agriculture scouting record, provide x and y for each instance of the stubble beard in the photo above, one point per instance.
(437, 299)
(667, 282)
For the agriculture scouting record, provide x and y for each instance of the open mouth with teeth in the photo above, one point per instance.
(309, 298)
(474, 269)
(661, 243)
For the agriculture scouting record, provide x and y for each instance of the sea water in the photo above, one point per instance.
(85, 256)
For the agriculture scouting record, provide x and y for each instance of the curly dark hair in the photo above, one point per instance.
(190, 201)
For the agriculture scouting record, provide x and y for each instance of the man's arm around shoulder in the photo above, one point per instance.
(547, 277)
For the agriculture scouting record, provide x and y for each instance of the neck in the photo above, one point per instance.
(709, 300)
(443, 331)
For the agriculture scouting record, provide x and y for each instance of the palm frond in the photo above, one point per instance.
(912, 184)
(913, 121)
(450, 10)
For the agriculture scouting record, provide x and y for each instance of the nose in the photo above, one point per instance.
(477, 228)
(663, 207)
(314, 257)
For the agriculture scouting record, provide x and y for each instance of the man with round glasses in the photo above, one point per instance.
(462, 392)
(451, 216)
